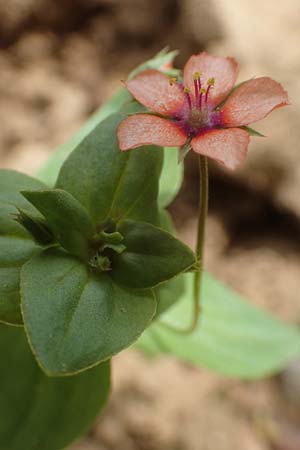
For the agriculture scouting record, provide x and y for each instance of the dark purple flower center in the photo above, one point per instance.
(198, 113)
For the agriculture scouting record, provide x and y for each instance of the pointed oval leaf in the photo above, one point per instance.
(39, 412)
(152, 256)
(75, 319)
(233, 338)
(67, 218)
(171, 177)
(167, 294)
(16, 245)
(111, 183)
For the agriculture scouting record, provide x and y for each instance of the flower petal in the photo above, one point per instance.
(252, 101)
(146, 129)
(153, 90)
(228, 147)
(223, 70)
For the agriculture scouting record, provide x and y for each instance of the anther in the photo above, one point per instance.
(210, 84)
(172, 81)
(196, 85)
(202, 92)
(188, 97)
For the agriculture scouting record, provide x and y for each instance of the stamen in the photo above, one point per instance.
(188, 97)
(196, 85)
(202, 91)
(210, 84)
(172, 81)
(199, 83)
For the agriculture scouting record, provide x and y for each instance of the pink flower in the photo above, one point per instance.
(202, 111)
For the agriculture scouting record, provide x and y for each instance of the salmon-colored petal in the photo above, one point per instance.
(153, 89)
(252, 101)
(228, 147)
(145, 129)
(223, 70)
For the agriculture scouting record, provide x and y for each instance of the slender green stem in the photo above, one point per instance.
(202, 214)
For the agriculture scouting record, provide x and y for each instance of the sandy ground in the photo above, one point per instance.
(57, 64)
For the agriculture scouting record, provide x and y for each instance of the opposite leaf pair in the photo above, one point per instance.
(87, 293)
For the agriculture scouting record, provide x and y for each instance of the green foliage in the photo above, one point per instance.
(16, 246)
(80, 319)
(233, 337)
(109, 183)
(168, 293)
(42, 413)
(66, 217)
(36, 227)
(252, 132)
(77, 298)
(171, 177)
(152, 256)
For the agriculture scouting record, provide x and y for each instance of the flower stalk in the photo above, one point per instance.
(199, 251)
(202, 214)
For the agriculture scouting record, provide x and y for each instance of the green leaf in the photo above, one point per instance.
(233, 338)
(36, 227)
(42, 413)
(67, 218)
(16, 246)
(160, 60)
(48, 173)
(152, 256)
(111, 183)
(168, 293)
(252, 132)
(14, 252)
(171, 177)
(75, 319)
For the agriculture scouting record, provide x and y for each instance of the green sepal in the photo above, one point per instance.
(252, 132)
(110, 183)
(66, 217)
(39, 412)
(152, 256)
(75, 319)
(159, 61)
(237, 86)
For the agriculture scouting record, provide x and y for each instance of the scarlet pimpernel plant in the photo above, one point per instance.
(89, 260)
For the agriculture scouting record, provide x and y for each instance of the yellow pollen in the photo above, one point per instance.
(172, 81)
(211, 82)
(197, 76)
(202, 91)
(186, 90)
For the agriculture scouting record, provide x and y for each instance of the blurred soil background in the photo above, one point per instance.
(59, 60)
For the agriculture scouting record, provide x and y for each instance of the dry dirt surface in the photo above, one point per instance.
(60, 59)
